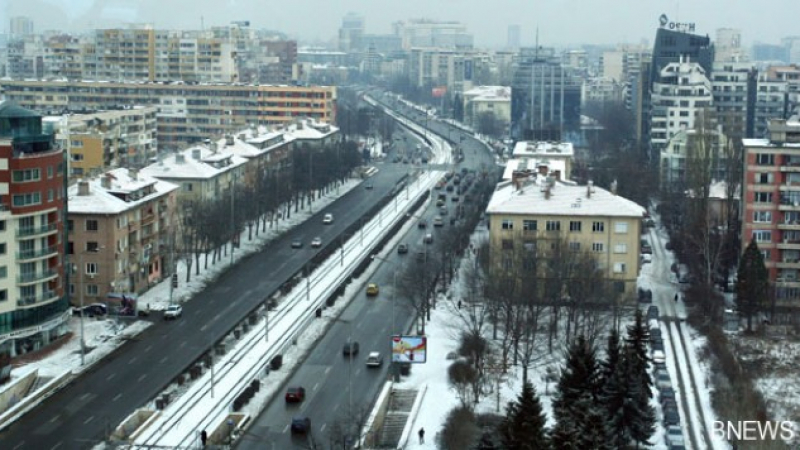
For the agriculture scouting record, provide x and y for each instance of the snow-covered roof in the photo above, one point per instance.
(564, 200)
(198, 162)
(489, 94)
(533, 164)
(543, 148)
(101, 200)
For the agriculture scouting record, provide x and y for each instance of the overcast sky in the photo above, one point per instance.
(560, 22)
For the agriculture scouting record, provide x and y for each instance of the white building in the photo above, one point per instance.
(556, 154)
(482, 99)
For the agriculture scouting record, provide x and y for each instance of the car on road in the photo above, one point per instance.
(327, 219)
(671, 417)
(652, 313)
(402, 249)
(440, 202)
(443, 210)
(428, 239)
(645, 295)
(674, 436)
(316, 242)
(655, 334)
(173, 312)
(646, 249)
(297, 243)
(369, 185)
(422, 223)
(295, 394)
(666, 393)
(372, 290)
(454, 198)
(438, 221)
(350, 348)
(95, 309)
(646, 258)
(658, 356)
(662, 380)
(657, 344)
(301, 425)
(374, 359)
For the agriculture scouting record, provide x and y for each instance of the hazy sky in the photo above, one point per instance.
(560, 22)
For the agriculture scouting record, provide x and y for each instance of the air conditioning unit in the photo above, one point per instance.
(91, 275)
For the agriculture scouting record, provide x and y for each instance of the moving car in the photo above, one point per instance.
(674, 436)
(297, 243)
(372, 290)
(316, 242)
(350, 348)
(295, 394)
(327, 219)
(422, 224)
(369, 185)
(438, 222)
(374, 359)
(658, 356)
(95, 309)
(173, 312)
(428, 239)
(402, 249)
(301, 424)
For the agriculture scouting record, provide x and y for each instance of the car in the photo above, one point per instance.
(327, 219)
(647, 258)
(655, 333)
(350, 348)
(422, 224)
(173, 312)
(295, 394)
(449, 188)
(421, 256)
(652, 313)
(659, 366)
(428, 239)
(369, 185)
(666, 393)
(402, 249)
(95, 309)
(372, 290)
(646, 249)
(649, 223)
(662, 380)
(671, 417)
(316, 242)
(297, 243)
(443, 210)
(645, 296)
(301, 425)
(658, 356)
(374, 359)
(438, 222)
(656, 345)
(454, 199)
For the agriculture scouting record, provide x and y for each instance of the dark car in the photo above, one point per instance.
(655, 334)
(295, 394)
(369, 185)
(645, 295)
(95, 309)
(402, 249)
(671, 416)
(350, 348)
(422, 224)
(652, 313)
(301, 424)
(297, 243)
(454, 198)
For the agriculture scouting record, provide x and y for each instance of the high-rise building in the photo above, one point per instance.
(20, 26)
(728, 46)
(350, 32)
(431, 33)
(734, 95)
(34, 310)
(769, 53)
(513, 37)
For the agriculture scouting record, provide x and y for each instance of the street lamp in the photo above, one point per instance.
(80, 297)
(395, 367)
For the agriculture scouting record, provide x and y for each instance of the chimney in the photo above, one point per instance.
(213, 147)
(614, 187)
(228, 139)
(133, 173)
(517, 177)
(105, 181)
(179, 158)
(83, 187)
(196, 153)
(589, 189)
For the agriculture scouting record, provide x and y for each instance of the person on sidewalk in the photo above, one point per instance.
(421, 435)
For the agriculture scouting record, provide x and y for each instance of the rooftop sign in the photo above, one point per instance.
(686, 27)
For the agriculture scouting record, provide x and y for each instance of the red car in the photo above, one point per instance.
(295, 394)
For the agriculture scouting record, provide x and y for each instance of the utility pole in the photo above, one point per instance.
(233, 222)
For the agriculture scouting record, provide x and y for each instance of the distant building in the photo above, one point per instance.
(350, 32)
(556, 156)
(513, 40)
(493, 99)
(432, 33)
(20, 26)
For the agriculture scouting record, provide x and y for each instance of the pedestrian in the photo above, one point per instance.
(676, 297)
(459, 304)
(421, 435)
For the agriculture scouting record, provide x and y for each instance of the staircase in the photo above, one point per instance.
(400, 404)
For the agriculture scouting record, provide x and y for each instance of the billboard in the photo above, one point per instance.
(438, 92)
(410, 349)
(120, 304)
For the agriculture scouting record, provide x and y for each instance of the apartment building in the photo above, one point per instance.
(684, 147)
(187, 113)
(488, 99)
(120, 229)
(733, 87)
(558, 155)
(433, 33)
(34, 310)
(451, 68)
(771, 206)
(532, 211)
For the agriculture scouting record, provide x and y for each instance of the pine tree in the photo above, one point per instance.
(524, 425)
(638, 417)
(614, 393)
(638, 361)
(613, 354)
(565, 436)
(751, 283)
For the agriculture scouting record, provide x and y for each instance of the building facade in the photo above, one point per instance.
(34, 309)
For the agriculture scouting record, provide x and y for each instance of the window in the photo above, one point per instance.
(3, 248)
(76, 157)
(597, 247)
(92, 247)
(619, 287)
(765, 178)
(762, 235)
(70, 225)
(619, 267)
(91, 225)
(620, 227)
(575, 246)
(22, 176)
(49, 172)
(188, 187)
(765, 159)
(574, 226)
(508, 244)
(529, 225)
(621, 248)
(31, 198)
(766, 254)
(3, 272)
(91, 289)
(762, 197)
(598, 227)
(3, 295)
(507, 265)
(91, 268)
(70, 248)
(507, 224)
(2, 225)
(762, 216)
(553, 225)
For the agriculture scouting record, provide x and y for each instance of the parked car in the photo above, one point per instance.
(402, 249)
(652, 313)
(301, 424)
(316, 242)
(422, 223)
(646, 258)
(295, 394)
(666, 393)
(674, 436)
(428, 239)
(327, 219)
(646, 249)
(372, 290)
(655, 333)
(374, 359)
(645, 295)
(350, 348)
(671, 417)
(659, 367)
(173, 312)
(297, 243)
(662, 380)
(658, 356)
(95, 309)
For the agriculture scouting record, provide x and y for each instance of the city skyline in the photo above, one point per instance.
(629, 21)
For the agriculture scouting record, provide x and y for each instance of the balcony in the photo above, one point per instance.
(33, 144)
(36, 254)
(50, 228)
(34, 300)
(30, 278)
(148, 219)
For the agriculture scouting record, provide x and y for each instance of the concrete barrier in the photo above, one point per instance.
(412, 416)
(17, 389)
(34, 398)
(375, 420)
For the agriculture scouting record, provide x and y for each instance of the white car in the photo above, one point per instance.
(173, 312)
(327, 219)
(646, 258)
(658, 357)
(316, 242)
(674, 436)
(374, 359)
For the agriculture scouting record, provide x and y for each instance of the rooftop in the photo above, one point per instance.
(543, 148)
(197, 162)
(101, 200)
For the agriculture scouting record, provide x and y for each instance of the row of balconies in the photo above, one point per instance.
(36, 277)
(46, 296)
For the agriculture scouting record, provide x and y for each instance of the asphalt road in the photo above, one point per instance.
(340, 390)
(87, 410)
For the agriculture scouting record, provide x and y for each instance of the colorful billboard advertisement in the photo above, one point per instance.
(439, 92)
(410, 349)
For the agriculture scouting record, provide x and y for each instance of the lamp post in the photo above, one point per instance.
(395, 367)
(80, 297)
(233, 222)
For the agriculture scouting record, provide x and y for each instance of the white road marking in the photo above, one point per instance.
(322, 428)
(91, 418)
(116, 397)
(108, 378)
(144, 375)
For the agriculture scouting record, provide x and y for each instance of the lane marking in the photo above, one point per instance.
(144, 375)
(108, 378)
(131, 361)
(116, 397)
(149, 347)
(20, 445)
(57, 445)
(315, 387)
(322, 428)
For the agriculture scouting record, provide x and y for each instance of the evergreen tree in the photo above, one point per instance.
(614, 393)
(637, 418)
(613, 353)
(565, 436)
(751, 284)
(636, 341)
(524, 425)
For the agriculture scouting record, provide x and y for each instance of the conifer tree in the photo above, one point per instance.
(636, 341)
(752, 282)
(524, 425)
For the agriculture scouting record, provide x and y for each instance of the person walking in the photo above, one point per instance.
(421, 435)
